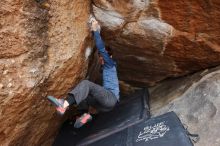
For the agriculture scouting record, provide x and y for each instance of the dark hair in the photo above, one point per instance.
(109, 50)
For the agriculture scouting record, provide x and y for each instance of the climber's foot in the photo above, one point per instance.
(82, 120)
(59, 103)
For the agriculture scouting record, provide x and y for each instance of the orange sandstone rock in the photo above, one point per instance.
(155, 40)
(42, 51)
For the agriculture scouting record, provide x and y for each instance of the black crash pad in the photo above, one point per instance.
(130, 111)
(165, 130)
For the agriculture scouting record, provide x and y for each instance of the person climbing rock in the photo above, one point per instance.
(102, 98)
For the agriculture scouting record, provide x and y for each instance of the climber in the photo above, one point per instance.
(104, 98)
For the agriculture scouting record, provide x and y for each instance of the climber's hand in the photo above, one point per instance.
(95, 25)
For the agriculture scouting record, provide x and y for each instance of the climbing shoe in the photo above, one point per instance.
(60, 110)
(58, 103)
(82, 120)
(90, 21)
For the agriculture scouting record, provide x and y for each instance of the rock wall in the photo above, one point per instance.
(160, 38)
(196, 101)
(42, 51)
(45, 45)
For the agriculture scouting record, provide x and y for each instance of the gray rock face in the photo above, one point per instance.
(198, 106)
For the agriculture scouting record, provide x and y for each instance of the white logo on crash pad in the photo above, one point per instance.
(153, 132)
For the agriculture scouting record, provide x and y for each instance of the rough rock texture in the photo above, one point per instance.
(160, 38)
(42, 51)
(196, 100)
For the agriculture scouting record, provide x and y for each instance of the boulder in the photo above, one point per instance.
(160, 39)
(45, 50)
(196, 100)
(42, 52)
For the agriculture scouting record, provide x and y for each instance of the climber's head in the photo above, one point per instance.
(110, 53)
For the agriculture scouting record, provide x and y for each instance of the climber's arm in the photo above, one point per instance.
(101, 49)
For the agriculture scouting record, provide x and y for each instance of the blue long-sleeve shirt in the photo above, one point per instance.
(110, 78)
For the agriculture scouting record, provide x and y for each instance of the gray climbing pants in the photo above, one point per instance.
(94, 95)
